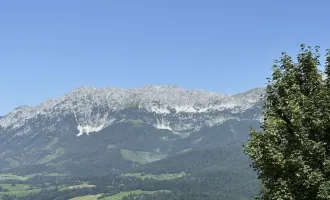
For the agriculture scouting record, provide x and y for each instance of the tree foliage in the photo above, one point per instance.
(292, 151)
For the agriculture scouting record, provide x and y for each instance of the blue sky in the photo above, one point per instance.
(48, 48)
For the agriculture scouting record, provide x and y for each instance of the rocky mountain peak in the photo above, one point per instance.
(95, 108)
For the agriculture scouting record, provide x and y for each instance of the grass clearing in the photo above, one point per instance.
(83, 185)
(52, 144)
(55, 174)
(14, 177)
(19, 189)
(10, 176)
(88, 197)
(58, 152)
(133, 156)
(157, 177)
(121, 195)
(141, 157)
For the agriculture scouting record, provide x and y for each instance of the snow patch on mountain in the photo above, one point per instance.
(88, 129)
(161, 124)
(159, 110)
(185, 108)
(89, 122)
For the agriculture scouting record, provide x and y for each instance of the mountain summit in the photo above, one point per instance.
(169, 107)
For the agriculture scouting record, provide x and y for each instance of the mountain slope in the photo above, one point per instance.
(92, 109)
(99, 131)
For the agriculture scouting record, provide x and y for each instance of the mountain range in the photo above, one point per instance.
(98, 131)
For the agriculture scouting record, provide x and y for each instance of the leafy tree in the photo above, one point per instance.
(292, 151)
(3, 189)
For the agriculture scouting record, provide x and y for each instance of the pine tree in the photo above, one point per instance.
(292, 151)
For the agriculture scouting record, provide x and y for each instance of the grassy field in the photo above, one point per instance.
(133, 156)
(23, 178)
(141, 157)
(52, 144)
(83, 185)
(120, 195)
(14, 177)
(157, 177)
(88, 197)
(19, 189)
(54, 174)
(52, 156)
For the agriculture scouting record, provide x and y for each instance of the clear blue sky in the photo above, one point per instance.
(48, 48)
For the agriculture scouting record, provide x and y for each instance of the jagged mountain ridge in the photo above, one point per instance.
(165, 107)
(119, 129)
